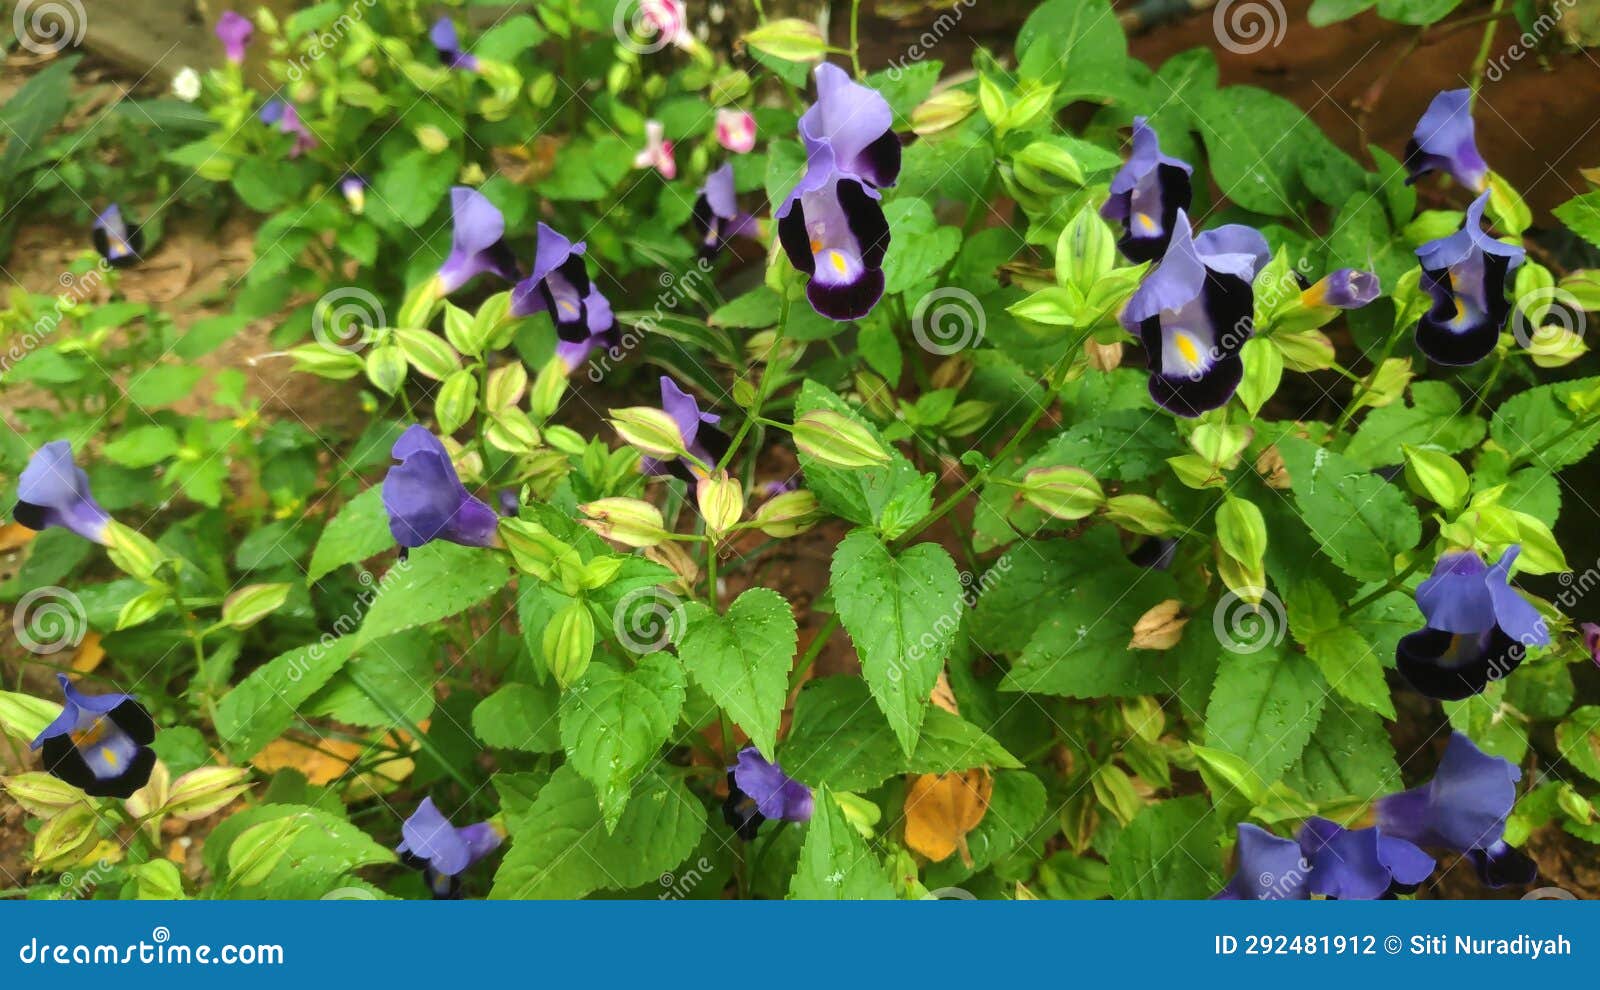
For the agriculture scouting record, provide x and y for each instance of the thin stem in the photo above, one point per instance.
(813, 650)
(773, 355)
(855, 36)
(1481, 63)
(421, 738)
(1396, 583)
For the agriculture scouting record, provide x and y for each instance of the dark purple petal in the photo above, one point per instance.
(448, 44)
(1591, 640)
(234, 31)
(1451, 666)
(1444, 142)
(99, 743)
(1269, 869)
(776, 795)
(117, 241)
(1466, 275)
(442, 851)
(833, 228)
(1463, 807)
(1359, 864)
(717, 218)
(1146, 195)
(1156, 553)
(1478, 627)
(850, 129)
(426, 500)
(476, 244)
(559, 285)
(1347, 288)
(53, 491)
(1502, 865)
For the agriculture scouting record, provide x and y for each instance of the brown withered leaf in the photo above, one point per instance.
(1272, 469)
(1160, 628)
(943, 696)
(90, 653)
(942, 808)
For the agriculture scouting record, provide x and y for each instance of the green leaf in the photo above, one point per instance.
(1361, 520)
(1349, 756)
(399, 670)
(1578, 738)
(835, 862)
(437, 581)
(1534, 425)
(559, 849)
(313, 851)
(895, 493)
(835, 740)
(1168, 852)
(143, 446)
(902, 614)
(918, 247)
(1436, 412)
(1254, 140)
(614, 721)
(755, 310)
(266, 702)
(519, 716)
(1416, 11)
(1264, 707)
(1325, 12)
(1582, 215)
(1350, 664)
(1077, 45)
(742, 659)
(357, 531)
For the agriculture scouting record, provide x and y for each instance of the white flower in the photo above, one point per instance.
(186, 85)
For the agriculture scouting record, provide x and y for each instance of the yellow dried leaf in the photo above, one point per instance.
(89, 654)
(13, 535)
(943, 696)
(942, 808)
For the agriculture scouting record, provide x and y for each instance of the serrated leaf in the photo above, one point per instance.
(614, 721)
(835, 862)
(742, 659)
(1264, 707)
(357, 531)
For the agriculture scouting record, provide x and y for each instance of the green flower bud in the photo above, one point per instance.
(1063, 492)
(250, 604)
(943, 111)
(788, 514)
(721, 501)
(837, 440)
(1437, 475)
(629, 521)
(1140, 514)
(569, 643)
(651, 431)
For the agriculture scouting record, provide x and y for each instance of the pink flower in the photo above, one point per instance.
(667, 20)
(736, 130)
(657, 152)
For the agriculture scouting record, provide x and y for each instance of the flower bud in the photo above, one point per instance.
(788, 514)
(1047, 168)
(135, 554)
(651, 431)
(533, 549)
(1063, 492)
(721, 500)
(41, 794)
(569, 643)
(433, 140)
(1140, 514)
(203, 792)
(942, 111)
(1103, 357)
(1160, 628)
(837, 440)
(629, 521)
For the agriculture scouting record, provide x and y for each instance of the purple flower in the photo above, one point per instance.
(1466, 274)
(772, 489)
(354, 189)
(1463, 809)
(426, 500)
(717, 217)
(440, 850)
(1360, 864)
(602, 332)
(1347, 288)
(448, 45)
(850, 129)
(1194, 313)
(53, 491)
(1591, 640)
(1443, 142)
(832, 227)
(476, 244)
(1477, 627)
(118, 241)
(100, 743)
(696, 429)
(1269, 869)
(234, 31)
(758, 791)
(1155, 552)
(287, 119)
(559, 285)
(1146, 195)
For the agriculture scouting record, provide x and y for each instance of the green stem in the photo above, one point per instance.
(1396, 583)
(1366, 383)
(813, 650)
(418, 736)
(1480, 63)
(762, 383)
(855, 36)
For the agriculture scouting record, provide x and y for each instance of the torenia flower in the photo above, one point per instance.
(118, 241)
(100, 743)
(1146, 195)
(1194, 313)
(1346, 288)
(657, 151)
(1464, 809)
(53, 491)
(758, 791)
(1444, 142)
(1466, 273)
(736, 130)
(186, 85)
(234, 31)
(426, 500)
(697, 432)
(667, 20)
(354, 189)
(850, 129)
(287, 118)
(1591, 640)
(476, 244)
(602, 332)
(1269, 869)
(717, 217)
(1478, 628)
(1360, 864)
(559, 285)
(440, 850)
(448, 44)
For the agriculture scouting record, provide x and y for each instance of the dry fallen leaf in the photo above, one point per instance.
(942, 808)
(89, 654)
(13, 535)
(1272, 469)
(331, 759)
(943, 696)
(1160, 628)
